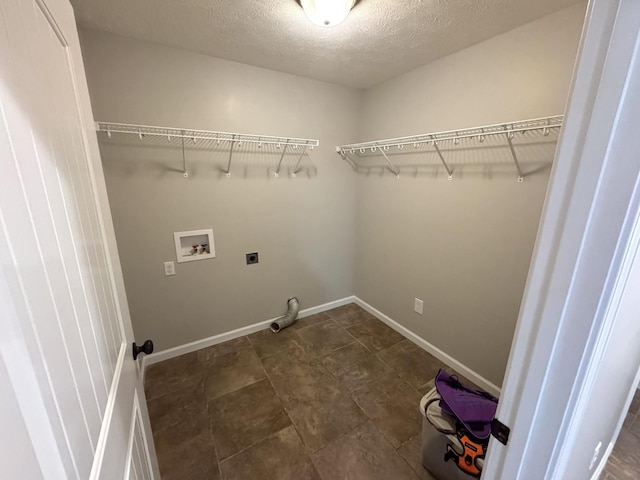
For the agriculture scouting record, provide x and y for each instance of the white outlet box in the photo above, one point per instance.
(169, 268)
(418, 306)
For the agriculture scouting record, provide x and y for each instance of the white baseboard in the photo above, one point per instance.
(239, 332)
(256, 327)
(433, 350)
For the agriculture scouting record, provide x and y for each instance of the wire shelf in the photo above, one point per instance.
(208, 139)
(441, 141)
(195, 135)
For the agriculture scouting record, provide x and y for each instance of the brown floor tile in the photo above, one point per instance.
(624, 462)
(204, 469)
(317, 405)
(411, 362)
(310, 320)
(349, 315)
(179, 416)
(354, 365)
(628, 422)
(267, 343)
(325, 337)
(319, 422)
(363, 454)
(635, 404)
(635, 429)
(192, 458)
(172, 375)
(297, 375)
(375, 335)
(206, 354)
(427, 387)
(393, 406)
(232, 371)
(279, 457)
(411, 451)
(242, 418)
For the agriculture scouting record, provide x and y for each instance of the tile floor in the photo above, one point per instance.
(334, 396)
(624, 462)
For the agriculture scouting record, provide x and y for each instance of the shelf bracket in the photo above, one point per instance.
(185, 174)
(284, 150)
(347, 158)
(228, 172)
(446, 166)
(391, 166)
(515, 158)
(297, 169)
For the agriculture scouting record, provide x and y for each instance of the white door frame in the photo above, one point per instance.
(580, 250)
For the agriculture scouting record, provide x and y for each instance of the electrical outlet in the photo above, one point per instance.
(169, 268)
(252, 258)
(418, 306)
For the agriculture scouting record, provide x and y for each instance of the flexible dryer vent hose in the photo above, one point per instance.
(289, 318)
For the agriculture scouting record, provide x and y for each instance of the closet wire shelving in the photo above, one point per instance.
(234, 141)
(353, 153)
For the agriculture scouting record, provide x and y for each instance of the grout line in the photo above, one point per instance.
(286, 411)
(213, 437)
(271, 435)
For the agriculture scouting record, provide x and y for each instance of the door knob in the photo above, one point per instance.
(146, 347)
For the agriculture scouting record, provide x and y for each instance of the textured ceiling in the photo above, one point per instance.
(379, 40)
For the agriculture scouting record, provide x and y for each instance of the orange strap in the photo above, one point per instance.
(467, 461)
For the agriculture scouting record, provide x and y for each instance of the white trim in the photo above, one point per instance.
(108, 414)
(603, 462)
(132, 429)
(238, 332)
(146, 441)
(256, 327)
(432, 349)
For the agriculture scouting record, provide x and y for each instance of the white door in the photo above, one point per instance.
(575, 352)
(72, 402)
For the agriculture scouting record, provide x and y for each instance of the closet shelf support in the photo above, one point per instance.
(446, 166)
(515, 158)
(391, 165)
(284, 150)
(346, 158)
(185, 174)
(230, 156)
(297, 169)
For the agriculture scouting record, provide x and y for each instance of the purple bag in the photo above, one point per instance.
(475, 409)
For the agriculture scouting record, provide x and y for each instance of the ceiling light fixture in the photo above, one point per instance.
(327, 13)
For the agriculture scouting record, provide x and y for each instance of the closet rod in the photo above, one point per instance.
(209, 135)
(546, 124)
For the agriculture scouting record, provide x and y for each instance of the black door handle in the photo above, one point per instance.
(147, 347)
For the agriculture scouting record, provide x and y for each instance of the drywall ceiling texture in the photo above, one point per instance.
(462, 246)
(379, 40)
(302, 227)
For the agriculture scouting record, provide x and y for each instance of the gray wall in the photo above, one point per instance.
(463, 246)
(302, 227)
